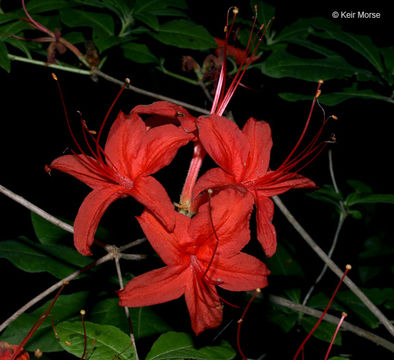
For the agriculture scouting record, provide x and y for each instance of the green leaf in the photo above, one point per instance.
(102, 24)
(388, 57)
(354, 304)
(103, 341)
(284, 319)
(338, 358)
(176, 345)
(300, 29)
(46, 232)
(332, 99)
(67, 307)
(368, 273)
(326, 193)
(145, 321)
(282, 64)
(352, 199)
(5, 62)
(283, 263)
(359, 43)
(139, 53)
(30, 256)
(184, 34)
(324, 331)
(38, 6)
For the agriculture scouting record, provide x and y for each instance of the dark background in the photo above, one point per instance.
(33, 133)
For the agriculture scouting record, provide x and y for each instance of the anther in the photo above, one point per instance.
(334, 117)
(127, 81)
(348, 267)
(240, 321)
(82, 312)
(54, 76)
(67, 343)
(38, 353)
(236, 10)
(258, 290)
(47, 169)
(255, 8)
(180, 114)
(210, 191)
(320, 81)
(318, 92)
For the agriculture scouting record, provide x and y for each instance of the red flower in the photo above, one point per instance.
(132, 153)
(241, 56)
(243, 157)
(197, 261)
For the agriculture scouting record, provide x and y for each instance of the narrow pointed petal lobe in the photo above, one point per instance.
(82, 167)
(124, 141)
(155, 287)
(89, 215)
(166, 244)
(224, 142)
(259, 137)
(266, 232)
(241, 272)
(159, 147)
(203, 304)
(230, 211)
(149, 192)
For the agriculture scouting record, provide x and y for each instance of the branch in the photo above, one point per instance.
(334, 320)
(27, 204)
(110, 79)
(350, 284)
(51, 289)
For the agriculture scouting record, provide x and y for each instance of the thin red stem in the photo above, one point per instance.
(38, 323)
(84, 334)
(240, 321)
(301, 348)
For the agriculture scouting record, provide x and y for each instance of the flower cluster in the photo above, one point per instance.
(200, 240)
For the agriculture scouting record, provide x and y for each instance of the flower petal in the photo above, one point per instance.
(164, 112)
(203, 303)
(124, 141)
(89, 215)
(266, 232)
(149, 192)
(159, 147)
(283, 183)
(225, 143)
(259, 137)
(241, 272)
(166, 244)
(230, 210)
(155, 287)
(82, 167)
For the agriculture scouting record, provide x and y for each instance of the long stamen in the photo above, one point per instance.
(126, 83)
(318, 91)
(240, 321)
(223, 71)
(335, 334)
(83, 313)
(301, 348)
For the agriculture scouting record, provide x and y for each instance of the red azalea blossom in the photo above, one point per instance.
(197, 261)
(132, 153)
(243, 157)
(241, 56)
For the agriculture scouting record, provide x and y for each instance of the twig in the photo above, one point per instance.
(341, 220)
(350, 284)
(110, 79)
(51, 289)
(27, 204)
(334, 320)
(126, 309)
